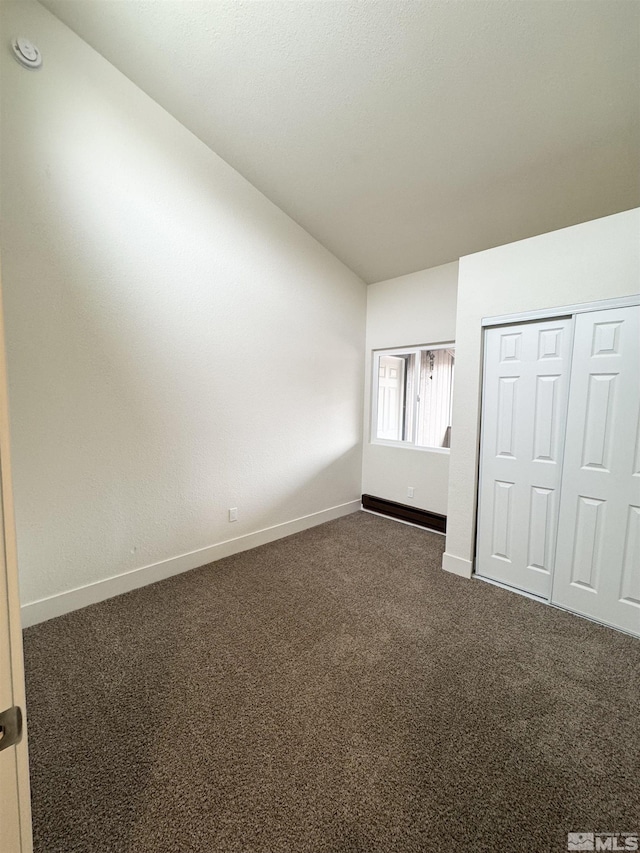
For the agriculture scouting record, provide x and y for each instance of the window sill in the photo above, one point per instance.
(404, 445)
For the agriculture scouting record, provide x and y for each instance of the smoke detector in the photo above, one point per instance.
(26, 52)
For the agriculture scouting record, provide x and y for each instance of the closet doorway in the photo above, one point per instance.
(559, 490)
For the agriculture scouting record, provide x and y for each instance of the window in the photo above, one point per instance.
(412, 394)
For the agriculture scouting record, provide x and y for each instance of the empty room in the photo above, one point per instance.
(319, 426)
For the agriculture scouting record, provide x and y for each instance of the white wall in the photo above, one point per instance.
(176, 344)
(588, 262)
(414, 309)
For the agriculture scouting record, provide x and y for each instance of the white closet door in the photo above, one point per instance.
(598, 556)
(524, 407)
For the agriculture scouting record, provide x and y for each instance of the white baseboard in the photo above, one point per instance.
(457, 565)
(64, 602)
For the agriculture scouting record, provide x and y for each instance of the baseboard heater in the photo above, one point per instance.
(423, 517)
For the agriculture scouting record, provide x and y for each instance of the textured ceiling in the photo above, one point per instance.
(401, 135)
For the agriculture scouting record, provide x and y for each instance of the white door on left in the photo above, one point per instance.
(523, 410)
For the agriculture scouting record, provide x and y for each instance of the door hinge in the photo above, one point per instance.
(10, 727)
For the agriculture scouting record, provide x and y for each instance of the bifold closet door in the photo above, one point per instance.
(598, 556)
(525, 392)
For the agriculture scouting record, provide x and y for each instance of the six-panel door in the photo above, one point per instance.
(598, 556)
(524, 407)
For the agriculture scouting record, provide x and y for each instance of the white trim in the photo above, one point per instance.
(73, 599)
(539, 598)
(412, 348)
(562, 311)
(402, 521)
(457, 565)
(406, 445)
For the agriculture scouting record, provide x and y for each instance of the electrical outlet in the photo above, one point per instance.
(233, 513)
(409, 491)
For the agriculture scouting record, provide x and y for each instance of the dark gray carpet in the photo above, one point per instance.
(333, 692)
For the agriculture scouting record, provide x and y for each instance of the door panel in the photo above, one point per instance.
(541, 524)
(587, 543)
(507, 393)
(546, 440)
(502, 529)
(524, 408)
(596, 448)
(598, 555)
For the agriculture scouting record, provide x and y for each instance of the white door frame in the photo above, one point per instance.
(15, 801)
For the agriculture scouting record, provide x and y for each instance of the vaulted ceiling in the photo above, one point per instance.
(401, 134)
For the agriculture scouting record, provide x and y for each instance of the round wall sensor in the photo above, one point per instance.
(26, 52)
